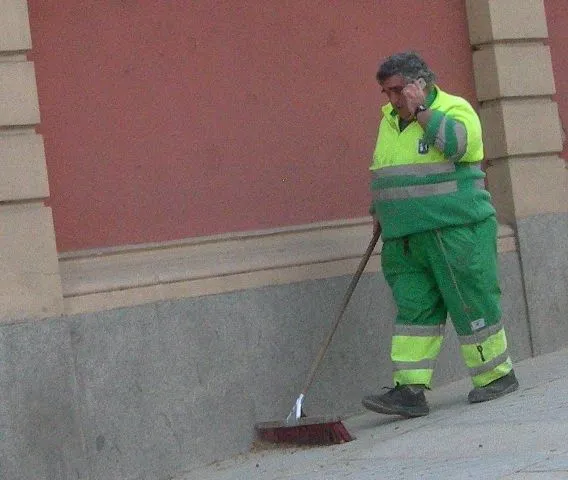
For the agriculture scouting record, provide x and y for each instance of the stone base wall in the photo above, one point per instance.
(148, 391)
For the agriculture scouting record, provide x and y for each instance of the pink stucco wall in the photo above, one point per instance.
(166, 120)
(557, 16)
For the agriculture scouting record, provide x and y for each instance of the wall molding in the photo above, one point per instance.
(107, 278)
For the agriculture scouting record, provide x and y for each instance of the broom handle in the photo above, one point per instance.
(346, 298)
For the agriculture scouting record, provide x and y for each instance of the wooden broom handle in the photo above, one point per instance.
(346, 298)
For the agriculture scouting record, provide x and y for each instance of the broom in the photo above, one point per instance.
(298, 428)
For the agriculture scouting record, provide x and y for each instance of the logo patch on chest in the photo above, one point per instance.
(423, 147)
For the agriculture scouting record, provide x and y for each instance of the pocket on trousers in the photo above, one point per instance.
(460, 246)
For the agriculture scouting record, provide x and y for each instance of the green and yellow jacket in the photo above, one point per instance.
(425, 179)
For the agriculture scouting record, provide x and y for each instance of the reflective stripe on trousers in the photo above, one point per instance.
(485, 354)
(414, 351)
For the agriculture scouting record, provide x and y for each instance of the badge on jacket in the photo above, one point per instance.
(423, 147)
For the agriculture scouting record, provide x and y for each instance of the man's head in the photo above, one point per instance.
(399, 70)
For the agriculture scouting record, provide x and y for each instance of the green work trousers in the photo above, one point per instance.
(450, 270)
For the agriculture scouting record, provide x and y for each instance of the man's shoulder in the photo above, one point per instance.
(447, 99)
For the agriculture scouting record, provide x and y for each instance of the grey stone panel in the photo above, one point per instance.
(358, 360)
(252, 352)
(177, 384)
(40, 431)
(543, 243)
(514, 307)
(133, 372)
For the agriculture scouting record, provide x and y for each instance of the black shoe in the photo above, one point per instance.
(495, 389)
(404, 400)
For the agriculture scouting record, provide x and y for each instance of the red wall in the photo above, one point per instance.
(166, 120)
(557, 16)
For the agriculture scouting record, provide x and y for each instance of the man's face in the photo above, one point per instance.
(393, 87)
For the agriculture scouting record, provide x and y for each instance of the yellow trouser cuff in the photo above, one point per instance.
(413, 377)
(499, 371)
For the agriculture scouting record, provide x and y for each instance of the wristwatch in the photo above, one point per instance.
(420, 108)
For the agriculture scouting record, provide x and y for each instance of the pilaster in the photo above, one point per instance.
(523, 138)
(522, 130)
(30, 284)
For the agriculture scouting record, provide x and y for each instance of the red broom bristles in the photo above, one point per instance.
(307, 432)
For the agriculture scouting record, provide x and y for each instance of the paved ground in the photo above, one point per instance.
(523, 436)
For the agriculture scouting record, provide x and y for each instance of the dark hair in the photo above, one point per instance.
(409, 65)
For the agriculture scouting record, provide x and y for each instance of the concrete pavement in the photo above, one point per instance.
(522, 436)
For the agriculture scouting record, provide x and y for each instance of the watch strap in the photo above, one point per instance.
(420, 108)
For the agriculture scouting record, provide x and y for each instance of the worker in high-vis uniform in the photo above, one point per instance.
(440, 238)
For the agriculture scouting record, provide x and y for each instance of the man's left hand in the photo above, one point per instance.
(414, 96)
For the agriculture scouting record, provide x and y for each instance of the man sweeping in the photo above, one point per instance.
(440, 238)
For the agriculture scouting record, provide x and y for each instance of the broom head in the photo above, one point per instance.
(308, 431)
